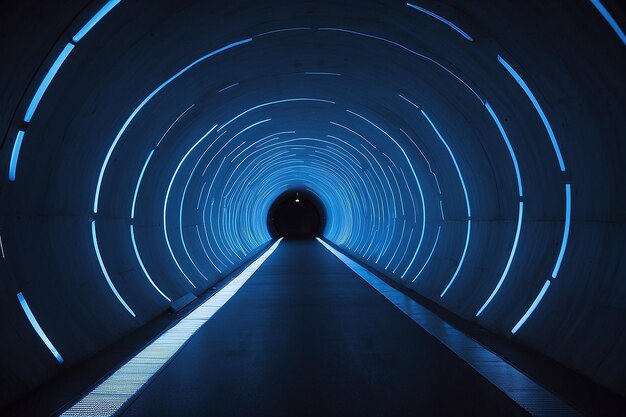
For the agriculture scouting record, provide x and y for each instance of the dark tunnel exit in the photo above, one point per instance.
(296, 214)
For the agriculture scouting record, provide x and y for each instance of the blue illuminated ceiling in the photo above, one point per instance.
(455, 149)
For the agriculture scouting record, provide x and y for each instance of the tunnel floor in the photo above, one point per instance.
(306, 336)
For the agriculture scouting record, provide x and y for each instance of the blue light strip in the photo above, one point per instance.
(441, 19)
(2, 247)
(607, 16)
(456, 165)
(509, 147)
(538, 108)
(568, 218)
(469, 214)
(104, 270)
(15, 155)
(95, 19)
(110, 395)
(228, 87)
(167, 196)
(143, 268)
(532, 307)
(511, 256)
(37, 327)
(429, 255)
(46, 82)
(143, 170)
(142, 104)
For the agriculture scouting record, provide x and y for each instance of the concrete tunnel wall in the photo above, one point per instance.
(476, 160)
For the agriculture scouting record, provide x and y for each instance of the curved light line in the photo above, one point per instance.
(143, 268)
(610, 20)
(508, 264)
(143, 170)
(538, 108)
(95, 19)
(568, 218)
(429, 255)
(104, 270)
(532, 308)
(441, 19)
(45, 83)
(167, 196)
(33, 322)
(142, 104)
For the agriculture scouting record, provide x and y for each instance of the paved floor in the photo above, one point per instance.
(305, 336)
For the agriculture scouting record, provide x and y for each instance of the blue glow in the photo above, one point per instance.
(104, 270)
(111, 394)
(143, 170)
(568, 218)
(607, 16)
(542, 115)
(15, 155)
(2, 247)
(167, 196)
(441, 19)
(45, 83)
(532, 307)
(456, 165)
(37, 327)
(429, 255)
(142, 104)
(172, 125)
(288, 100)
(143, 268)
(95, 19)
(467, 239)
(509, 147)
(508, 264)
(469, 222)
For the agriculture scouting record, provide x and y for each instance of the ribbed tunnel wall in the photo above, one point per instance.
(474, 156)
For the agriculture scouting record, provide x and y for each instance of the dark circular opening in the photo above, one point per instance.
(296, 214)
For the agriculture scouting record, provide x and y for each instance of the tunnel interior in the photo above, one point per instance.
(469, 152)
(296, 214)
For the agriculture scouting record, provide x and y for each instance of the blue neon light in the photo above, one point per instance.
(456, 273)
(441, 19)
(531, 308)
(607, 16)
(143, 268)
(143, 170)
(429, 255)
(538, 108)
(41, 90)
(456, 165)
(95, 19)
(167, 196)
(508, 264)
(37, 327)
(228, 87)
(104, 270)
(568, 218)
(509, 147)
(15, 155)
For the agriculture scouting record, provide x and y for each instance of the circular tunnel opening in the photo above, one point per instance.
(296, 214)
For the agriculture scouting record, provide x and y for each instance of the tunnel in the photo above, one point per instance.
(313, 208)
